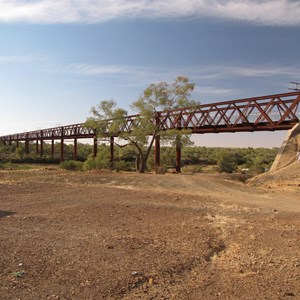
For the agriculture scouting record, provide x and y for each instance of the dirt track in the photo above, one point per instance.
(106, 235)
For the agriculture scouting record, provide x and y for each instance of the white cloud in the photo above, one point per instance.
(211, 90)
(266, 12)
(201, 72)
(21, 59)
(206, 77)
(226, 72)
(86, 69)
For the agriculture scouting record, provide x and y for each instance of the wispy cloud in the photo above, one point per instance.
(89, 69)
(154, 73)
(212, 90)
(265, 12)
(204, 76)
(98, 70)
(134, 75)
(208, 72)
(22, 59)
(226, 72)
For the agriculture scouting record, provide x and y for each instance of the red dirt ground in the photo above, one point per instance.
(105, 235)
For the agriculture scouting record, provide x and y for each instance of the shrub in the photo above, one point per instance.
(122, 165)
(227, 163)
(71, 165)
(192, 169)
(160, 170)
(89, 164)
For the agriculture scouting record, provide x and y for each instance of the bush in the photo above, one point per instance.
(89, 164)
(71, 165)
(227, 163)
(160, 170)
(122, 165)
(192, 169)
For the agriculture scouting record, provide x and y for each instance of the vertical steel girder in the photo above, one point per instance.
(42, 148)
(75, 149)
(62, 145)
(27, 143)
(95, 147)
(37, 147)
(112, 151)
(178, 155)
(157, 151)
(52, 148)
(42, 144)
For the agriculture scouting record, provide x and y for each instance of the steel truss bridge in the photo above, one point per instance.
(265, 113)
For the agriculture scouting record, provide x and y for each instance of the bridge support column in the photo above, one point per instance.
(95, 147)
(37, 147)
(178, 155)
(75, 149)
(62, 145)
(62, 149)
(52, 148)
(42, 148)
(112, 152)
(27, 147)
(157, 152)
(62, 158)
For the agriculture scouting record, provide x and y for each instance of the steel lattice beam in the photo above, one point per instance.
(266, 113)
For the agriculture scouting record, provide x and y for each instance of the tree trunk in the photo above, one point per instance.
(137, 162)
(143, 165)
(144, 157)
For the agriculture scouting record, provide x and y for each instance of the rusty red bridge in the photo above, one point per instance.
(265, 113)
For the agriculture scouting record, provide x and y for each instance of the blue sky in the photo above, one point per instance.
(59, 58)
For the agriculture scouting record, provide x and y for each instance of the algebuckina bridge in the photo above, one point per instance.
(265, 113)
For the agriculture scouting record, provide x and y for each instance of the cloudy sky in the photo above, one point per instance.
(58, 58)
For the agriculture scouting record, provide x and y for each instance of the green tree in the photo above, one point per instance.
(144, 128)
(227, 163)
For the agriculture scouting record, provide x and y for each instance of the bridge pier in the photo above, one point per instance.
(52, 148)
(75, 149)
(112, 152)
(178, 155)
(62, 150)
(27, 147)
(157, 152)
(42, 148)
(62, 145)
(39, 150)
(37, 147)
(95, 147)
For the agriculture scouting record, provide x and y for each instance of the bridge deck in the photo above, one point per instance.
(265, 113)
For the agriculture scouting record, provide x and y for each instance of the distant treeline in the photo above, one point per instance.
(194, 159)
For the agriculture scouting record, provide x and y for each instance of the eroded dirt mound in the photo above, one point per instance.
(285, 171)
(288, 150)
(287, 178)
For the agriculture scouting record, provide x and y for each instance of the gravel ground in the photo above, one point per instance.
(105, 235)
